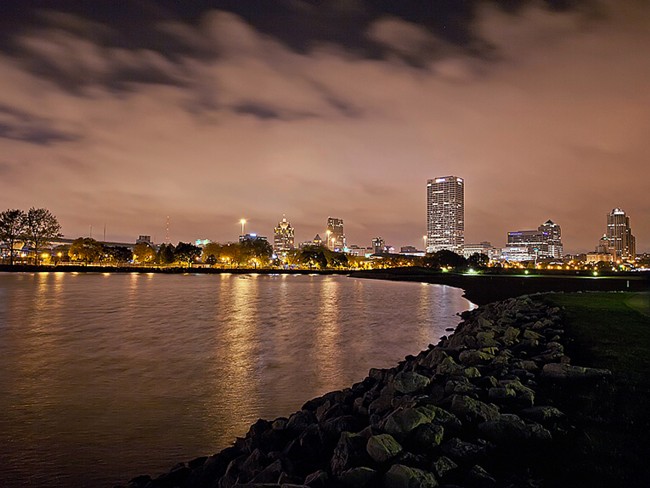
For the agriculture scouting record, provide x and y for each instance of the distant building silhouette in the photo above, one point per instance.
(445, 214)
(483, 247)
(144, 239)
(283, 239)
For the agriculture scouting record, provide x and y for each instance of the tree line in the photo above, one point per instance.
(36, 227)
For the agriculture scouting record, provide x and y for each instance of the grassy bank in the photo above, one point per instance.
(608, 330)
(485, 287)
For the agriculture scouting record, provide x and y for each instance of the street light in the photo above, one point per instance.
(243, 223)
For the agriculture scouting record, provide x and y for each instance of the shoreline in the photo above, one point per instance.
(482, 289)
(80, 268)
(478, 288)
(478, 409)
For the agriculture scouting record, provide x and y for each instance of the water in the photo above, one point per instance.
(107, 376)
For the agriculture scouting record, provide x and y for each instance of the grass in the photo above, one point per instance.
(611, 447)
(610, 330)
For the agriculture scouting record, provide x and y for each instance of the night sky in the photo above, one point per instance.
(120, 113)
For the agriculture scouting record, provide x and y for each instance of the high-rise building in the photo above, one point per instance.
(378, 245)
(335, 234)
(283, 239)
(552, 238)
(445, 214)
(619, 234)
(528, 245)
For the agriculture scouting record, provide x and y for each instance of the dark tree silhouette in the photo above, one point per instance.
(12, 229)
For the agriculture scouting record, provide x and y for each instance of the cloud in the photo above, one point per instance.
(402, 37)
(552, 127)
(21, 126)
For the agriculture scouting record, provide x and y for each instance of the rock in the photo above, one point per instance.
(471, 372)
(484, 324)
(443, 466)
(300, 420)
(507, 429)
(410, 382)
(400, 476)
(404, 420)
(442, 417)
(501, 394)
(449, 367)
(485, 338)
(139, 481)
(510, 336)
(471, 410)
(383, 447)
(479, 478)
(317, 479)
(280, 423)
(376, 374)
(332, 428)
(566, 372)
(253, 465)
(461, 386)
(270, 474)
(307, 452)
(361, 476)
(462, 451)
(434, 358)
(383, 402)
(472, 357)
(525, 396)
(350, 452)
(532, 336)
(426, 436)
(543, 414)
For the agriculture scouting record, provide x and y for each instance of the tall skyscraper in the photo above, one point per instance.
(619, 234)
(446, 214)
(283, 239)
(335, 234)
(552, 238)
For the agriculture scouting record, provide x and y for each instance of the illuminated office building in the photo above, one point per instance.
(335, 234)
(283, 239)
(445, 214)
(619, 235)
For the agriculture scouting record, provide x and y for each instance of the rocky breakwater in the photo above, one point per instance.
(476, 410)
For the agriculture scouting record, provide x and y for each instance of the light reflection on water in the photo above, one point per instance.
(104, 377)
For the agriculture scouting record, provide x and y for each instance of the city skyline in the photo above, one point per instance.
(208, 113)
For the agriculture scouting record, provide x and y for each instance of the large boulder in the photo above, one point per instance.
(350, 452)
(404, 420)
(410, 382)
(383, 447)
(359, 477)
(567, 372)
(508, 429)
(400, 476)
(471, 410)
(426, 436)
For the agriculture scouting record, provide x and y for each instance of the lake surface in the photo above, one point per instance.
(107, 376)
